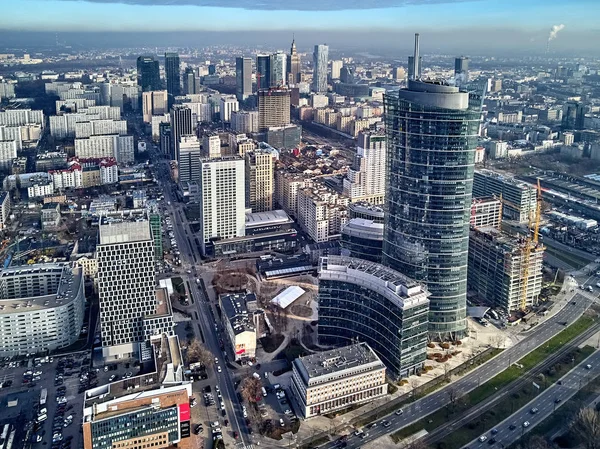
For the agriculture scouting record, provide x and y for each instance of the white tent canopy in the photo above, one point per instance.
(288, 296)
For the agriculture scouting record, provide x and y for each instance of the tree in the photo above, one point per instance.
(587, 427)
(197, 353)
(251, 389)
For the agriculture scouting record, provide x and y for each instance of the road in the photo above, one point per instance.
(523, 420)
(189, 257)
(421, 408)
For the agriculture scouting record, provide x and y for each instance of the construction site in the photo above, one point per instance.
(505, 271)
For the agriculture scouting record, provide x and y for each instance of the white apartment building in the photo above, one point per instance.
(109, 172)
(18, 117)
(63, 126)
(7, 90)
(126, 288)
(154, 103)
(100, 127)
(71, 177)
(4, 209)
(287, 186)
(41, 308)
(156, 121)
(8, 151)
(244, 121)
(211, 146)
(333, 380)
(322, 213)
(228, 106)
(119, 147)
(365, 181)
(105, 112)
(11, 133)
(222, 199)
(40, 189)
(74, 104)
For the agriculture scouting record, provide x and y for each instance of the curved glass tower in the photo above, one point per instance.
(431, 130)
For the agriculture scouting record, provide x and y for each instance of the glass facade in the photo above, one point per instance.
(353, 307)
(363, 247)
(432, 131)
(142, 423)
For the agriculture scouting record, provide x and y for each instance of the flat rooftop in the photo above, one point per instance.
(235, 308)
(507, 179)
(269, 218)
(68, 280)
(124, 231)
(339, 359)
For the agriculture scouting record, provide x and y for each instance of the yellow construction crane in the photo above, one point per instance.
(531, 243)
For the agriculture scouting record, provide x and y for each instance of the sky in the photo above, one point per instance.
(517, 22)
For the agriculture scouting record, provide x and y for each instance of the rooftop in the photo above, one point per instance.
(236, 310)
(339, 359)
(124, 231)
(273, 217)
(67, 280)
(508, 179)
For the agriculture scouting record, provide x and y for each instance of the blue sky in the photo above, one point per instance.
(535, 17)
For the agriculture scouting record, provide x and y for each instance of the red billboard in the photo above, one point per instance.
(184, 412)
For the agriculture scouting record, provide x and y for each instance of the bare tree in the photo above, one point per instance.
(587, 427)
(251, 389)
(197, 353)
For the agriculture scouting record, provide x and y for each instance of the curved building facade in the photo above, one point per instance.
(362, 238)
(365, 301)
(432, 130)
(41, 308)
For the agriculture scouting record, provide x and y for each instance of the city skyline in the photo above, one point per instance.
(530, 23)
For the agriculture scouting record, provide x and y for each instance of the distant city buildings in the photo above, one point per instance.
(148, 73)
(273, 108)
(173, 76)
(320, 63)
(294, 73)
(259, 180)
(243, 78)
(366, 179)
(154, 103)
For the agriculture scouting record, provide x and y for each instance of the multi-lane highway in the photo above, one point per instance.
(189, 257)
(419, 409)
(532, 414)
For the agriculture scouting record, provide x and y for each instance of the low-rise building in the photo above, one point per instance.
(333, 380)
(362, 238)
(239, 323)
(4, 209)
(486, 212)
(50, 216)
(41, 308)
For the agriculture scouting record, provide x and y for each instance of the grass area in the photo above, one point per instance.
(314, 443)
(271, 342)
(513, 402)
(504, 378)
(392, 388)
(565, 413)
(421, 392)
(293, 351)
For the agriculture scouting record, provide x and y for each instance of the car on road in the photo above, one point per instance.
(534, 410)
(492, 441)
(112, 378)
(557, 400)
(526, 424)
(236, 435)
(588, 366)
(386, 423)
(512, 427)
(494, 431)
(399, 412)
(219, 369)
(482, 438)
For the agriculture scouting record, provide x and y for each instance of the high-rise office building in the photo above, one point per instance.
(181, 125)
(347, 75)
(211, 146)
(259, 180)
(189, 158)
(336, 69)
(148, 73)
(191, 82)
(573, 115)
(243, 78)
(293, 65)
(273, 108)
(432, 133)
(263, 71)
(173, 75)
(364, 300)
(126, 288)
(154, 102)
(320, 61)
(461, 70)
(278, 69)
(222, 199)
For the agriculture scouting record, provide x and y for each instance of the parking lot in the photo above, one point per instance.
(51, 419)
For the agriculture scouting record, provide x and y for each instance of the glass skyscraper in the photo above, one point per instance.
(320, 61)
(148, 73)
(173, 75)
(263, 71)
(431, 129)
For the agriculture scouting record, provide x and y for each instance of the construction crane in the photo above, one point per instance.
(531, 243)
